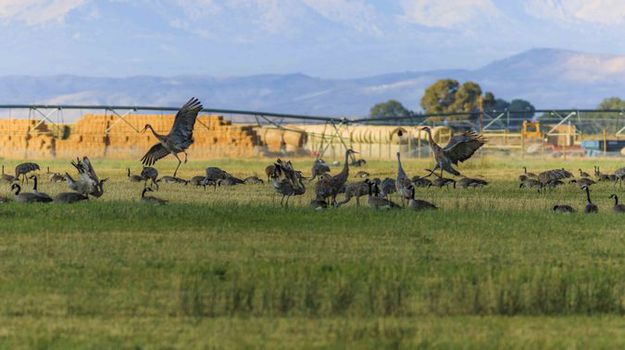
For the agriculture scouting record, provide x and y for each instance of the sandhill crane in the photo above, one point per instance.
(619, 174)
(290, 185)
(57, 177)
(563, 209)
(552, 184)
(7, 177)
(459, 149)
(418, 181)
(441, 181)
(87, 181)
(319, 167)
(590, 207)
(333, 185)
(269, 171)
(54, 177)
(584, 181)
(583, 173)
(25, 197)
(467, 182)
(197, 180)
(418, 204)
(357, 189)
(387, 187)
(402, 182)
(618, 208)
(151, 199)
(150, 173)
(44, 196)
(134, 178)
(70, 197)
(172, 180)
(601, 176)
(25, 168)
(253, 180)
(532, 184)
(377, 202)
(180, 136)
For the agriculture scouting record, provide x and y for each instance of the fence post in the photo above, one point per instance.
(605, 142)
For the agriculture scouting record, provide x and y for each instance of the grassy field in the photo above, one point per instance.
(231, 269)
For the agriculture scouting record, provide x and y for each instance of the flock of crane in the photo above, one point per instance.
(552, 179)
(289, 182)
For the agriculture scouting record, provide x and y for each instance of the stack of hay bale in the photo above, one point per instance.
(113, 138)
(24, 138)
(86, 137)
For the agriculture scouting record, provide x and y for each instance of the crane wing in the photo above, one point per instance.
(155, 153)
(462, 147)
(88, 168)
(181, 132)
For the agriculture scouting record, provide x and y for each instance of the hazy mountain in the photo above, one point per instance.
(548, 78)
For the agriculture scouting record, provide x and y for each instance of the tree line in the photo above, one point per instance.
(449, 96)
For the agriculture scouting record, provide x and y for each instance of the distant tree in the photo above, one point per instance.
(390, 108)
(468, 98)
(612, 103)
(499, 105)
(440, 96)
(522, 109)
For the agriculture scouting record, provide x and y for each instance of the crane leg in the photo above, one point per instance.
(178, 166)
(186, 156)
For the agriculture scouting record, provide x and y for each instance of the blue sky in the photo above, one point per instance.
(325, 38)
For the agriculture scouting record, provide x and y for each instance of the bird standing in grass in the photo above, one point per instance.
(7, 177)
(590, 208)
(150, 173)
(331, 186)
(459, 149)
(179, 139)
(618, 208)
(134, 178)
(25, 168)
(403, 183)
(87, 182)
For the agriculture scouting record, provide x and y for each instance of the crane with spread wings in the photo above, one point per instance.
(460, 148)
(180, 136)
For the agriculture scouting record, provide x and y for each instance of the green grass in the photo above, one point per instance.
(229, 269)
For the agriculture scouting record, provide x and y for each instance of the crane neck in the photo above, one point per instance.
(128, 172)
(143, 192)
(615, 200)
(148, 126)
(430, 139)
(588, 195)
(17, 188)
(35, 183)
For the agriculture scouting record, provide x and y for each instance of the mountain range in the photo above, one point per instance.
(548, 78)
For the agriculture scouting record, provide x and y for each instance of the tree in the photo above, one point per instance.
(467, 99)
(390, 108)
(612, 103)
(440, 96)
(525, 109)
